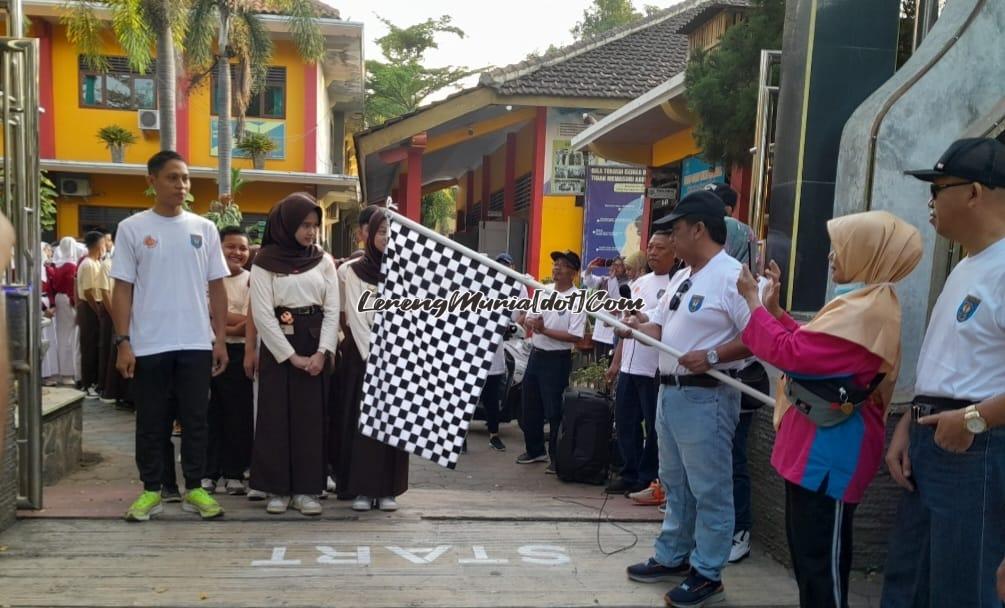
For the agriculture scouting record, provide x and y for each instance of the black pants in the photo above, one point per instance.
(231, 419)
(635, 418)
(104, 347)
(544, 383)
(87, 322)
(170, 478)
(819, 529)
(187, 374)
(490, 401)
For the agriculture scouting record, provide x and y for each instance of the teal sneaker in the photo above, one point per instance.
(148, 504)
(199, 501)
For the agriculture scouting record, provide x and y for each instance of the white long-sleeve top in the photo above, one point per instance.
(360, 323)
(316, 287)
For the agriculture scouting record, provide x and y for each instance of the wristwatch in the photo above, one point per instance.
(972, 418)
(712, 357)
(116, 340)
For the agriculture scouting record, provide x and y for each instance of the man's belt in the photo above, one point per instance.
(543, 351)
(699, 380)
(303, 311)
(926, 406)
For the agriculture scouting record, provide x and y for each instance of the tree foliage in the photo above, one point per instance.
(722, 83)
(905, 39)
(399, 84)
(439, 210)
(605, 15)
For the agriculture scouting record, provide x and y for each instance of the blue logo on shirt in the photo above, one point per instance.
(967, 308)
(695, 304)
(659, 294)
(196, 240)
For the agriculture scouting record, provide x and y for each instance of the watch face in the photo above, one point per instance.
(976, 425)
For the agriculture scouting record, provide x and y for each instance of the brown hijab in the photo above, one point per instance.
(280, 251)
(368, 268)
(878, 249)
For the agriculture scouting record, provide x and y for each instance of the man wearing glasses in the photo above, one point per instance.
(702, 315)
(949, 454)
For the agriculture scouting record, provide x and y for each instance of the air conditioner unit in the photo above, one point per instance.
(150, 120)
(74, 186)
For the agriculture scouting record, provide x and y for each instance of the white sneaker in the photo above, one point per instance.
(307, 505)
(277, 505)
(236, 487)
(256, 495)
(387, 503)
(362, 503)
(209, 485)
(741, 547)
(330, 484)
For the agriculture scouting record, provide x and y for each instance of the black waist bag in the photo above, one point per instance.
(584, 438)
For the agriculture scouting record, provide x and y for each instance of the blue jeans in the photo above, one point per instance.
(949, 537)
(635, 405)
(544, 384)
(695, 428)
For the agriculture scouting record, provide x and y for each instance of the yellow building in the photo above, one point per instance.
(304, 109)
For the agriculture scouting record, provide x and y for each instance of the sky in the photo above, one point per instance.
(498, 33)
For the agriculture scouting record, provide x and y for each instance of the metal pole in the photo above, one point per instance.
(15, 18)
(764, 128)
(603, 316)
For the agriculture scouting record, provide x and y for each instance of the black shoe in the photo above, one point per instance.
(464, 446)
(621, 486)
(651, 571)
(695, 592)
(170, 495)
(526, 458)
(496, 444)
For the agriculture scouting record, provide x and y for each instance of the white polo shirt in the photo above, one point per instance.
(169, 261)
(963, 355)
(499, 360)
(636, 358)
(602, 332)
(573, 323)
(711, 312)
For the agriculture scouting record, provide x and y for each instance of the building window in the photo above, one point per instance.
(270, 102)
(120, 88)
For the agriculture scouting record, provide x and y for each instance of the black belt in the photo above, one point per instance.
(926, 406)
(699, 380)
(303, 311)
(542, 351)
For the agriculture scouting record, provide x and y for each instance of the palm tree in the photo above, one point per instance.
(240, 34)
(139, 26)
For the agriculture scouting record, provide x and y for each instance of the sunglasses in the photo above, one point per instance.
(675, 300)
(935, 189)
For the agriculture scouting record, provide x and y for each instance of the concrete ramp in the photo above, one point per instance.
(950, 88)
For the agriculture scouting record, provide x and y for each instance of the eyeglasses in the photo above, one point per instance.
(935, 189)
(675, 300)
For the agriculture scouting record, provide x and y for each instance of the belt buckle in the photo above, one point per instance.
(919, 410)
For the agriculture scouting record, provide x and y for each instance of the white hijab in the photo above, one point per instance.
(67, 251)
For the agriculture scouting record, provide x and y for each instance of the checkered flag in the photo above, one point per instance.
(425, 373)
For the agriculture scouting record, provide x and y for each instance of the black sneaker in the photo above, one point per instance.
(651, 571)
(464, 446)
(695, 592)
(526, 458)
(496, 444)
(621, 486)
(170, 495)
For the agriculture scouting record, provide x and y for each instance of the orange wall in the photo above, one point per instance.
(561, 229)
(498, 169)
(674, 147)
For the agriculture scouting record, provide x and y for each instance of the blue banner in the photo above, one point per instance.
(615, 197)
(696, 174)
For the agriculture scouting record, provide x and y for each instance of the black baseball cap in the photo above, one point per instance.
(723, 191)
(504, 258)
(569, 256)
(978, 159)
(702, 202)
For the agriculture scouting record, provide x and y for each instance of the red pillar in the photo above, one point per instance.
(740, 179)
(311, 117)
(413, 185)
(647, 210)
(46, 97)
(537, 193)
(509, 180)
(486, 185)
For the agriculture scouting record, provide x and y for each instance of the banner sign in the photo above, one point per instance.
(615, 197)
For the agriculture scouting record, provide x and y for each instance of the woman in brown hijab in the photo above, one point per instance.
(295, 304)
(840, 371)
(366, 469)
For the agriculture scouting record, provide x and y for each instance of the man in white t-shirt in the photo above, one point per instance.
(603, 334)
(635, 395)
(701, 315)
(165, 259)
(949, 454)
(549, 365)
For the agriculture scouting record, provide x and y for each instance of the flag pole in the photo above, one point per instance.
(603, 316)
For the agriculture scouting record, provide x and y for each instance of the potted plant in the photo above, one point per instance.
(116, 138)
(257, 146)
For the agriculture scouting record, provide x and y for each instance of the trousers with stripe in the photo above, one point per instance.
(819, 530)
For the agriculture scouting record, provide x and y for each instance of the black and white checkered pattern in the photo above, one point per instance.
(425, 373)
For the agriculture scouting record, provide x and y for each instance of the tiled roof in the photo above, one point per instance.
(623, 63)
(320, 9)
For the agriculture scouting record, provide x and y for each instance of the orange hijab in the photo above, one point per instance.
(878, 249)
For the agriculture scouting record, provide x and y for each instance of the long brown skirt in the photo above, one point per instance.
(289, 452)
(363, 466)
